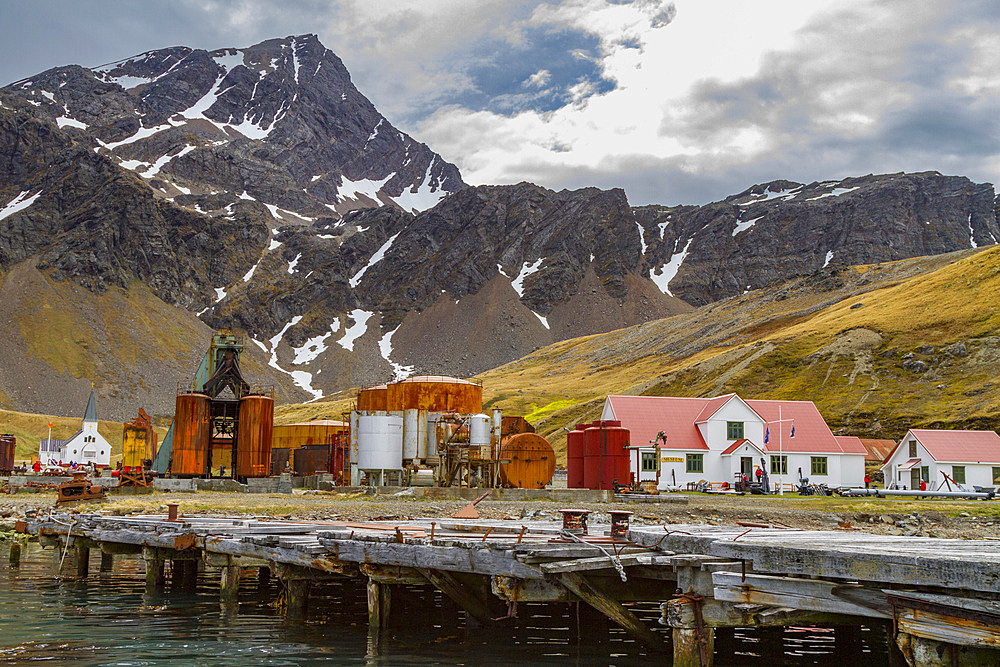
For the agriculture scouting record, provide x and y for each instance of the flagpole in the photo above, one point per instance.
(781, 489)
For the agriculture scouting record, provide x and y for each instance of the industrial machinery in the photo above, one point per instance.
(138, 448)
(79, 488)
(428, 430)
(8, 443)
(221, 422)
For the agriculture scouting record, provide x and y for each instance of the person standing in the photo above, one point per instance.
(868, 480)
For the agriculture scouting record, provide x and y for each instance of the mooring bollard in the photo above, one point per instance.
(575, 521)
(172, 512)
(15, 554)
(619, 523)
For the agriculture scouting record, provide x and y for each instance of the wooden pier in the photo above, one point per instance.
(939, 598)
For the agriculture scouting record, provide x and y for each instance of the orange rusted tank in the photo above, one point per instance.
(8, 444)
(532, 461)
(192, 429)
(253, 440)
(435, 393)
(304, 434)
(372, 399)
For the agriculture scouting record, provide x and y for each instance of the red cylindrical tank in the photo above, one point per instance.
(614, 441)
(592, 456)
(192, 429)
(574, 458)
(254, 436)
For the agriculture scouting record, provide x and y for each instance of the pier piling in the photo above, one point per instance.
(15, 554)
(82, 560)
(154, 571)
(107, 561)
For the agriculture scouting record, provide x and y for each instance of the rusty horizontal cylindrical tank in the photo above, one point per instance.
(434, 394)
(372, 399)
(192, 430)
(253, 438)
(8, 443)
(574, 458)
(531, 461)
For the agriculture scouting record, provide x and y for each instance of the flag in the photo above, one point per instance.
(767, 435)
(793, 431)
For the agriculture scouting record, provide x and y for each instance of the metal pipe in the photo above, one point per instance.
(882, 493)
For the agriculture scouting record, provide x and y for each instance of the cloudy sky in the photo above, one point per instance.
(682, 101)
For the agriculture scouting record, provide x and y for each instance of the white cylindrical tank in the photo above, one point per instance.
(479, 431)
(410, 431)
(422, 435)
(380, 442)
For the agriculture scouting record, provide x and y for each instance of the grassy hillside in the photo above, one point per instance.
(839, 338)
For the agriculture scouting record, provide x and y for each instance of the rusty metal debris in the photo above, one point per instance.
(79, 488)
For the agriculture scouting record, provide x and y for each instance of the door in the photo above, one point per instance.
(915, 478)
(746, 466)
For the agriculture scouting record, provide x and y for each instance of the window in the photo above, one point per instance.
(779, 465)
(649, 461)
(958, 474)
(925, 473)
(818, 465)
(695, 463)
(913, 449)
(734, 430)
(996, 474)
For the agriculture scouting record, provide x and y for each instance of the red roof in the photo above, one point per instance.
(971, 446)
(645, 416)
(812, 435)
(878, 450)
(739, 443)
(851, 444)
(712, 405)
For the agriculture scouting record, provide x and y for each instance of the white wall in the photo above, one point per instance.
(78, 450)
(735, 410)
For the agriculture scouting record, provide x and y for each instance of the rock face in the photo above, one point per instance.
(258, 189)
(779, 230)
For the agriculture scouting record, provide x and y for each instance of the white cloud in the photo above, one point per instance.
(539, 79)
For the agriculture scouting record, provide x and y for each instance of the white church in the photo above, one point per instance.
(85, 446)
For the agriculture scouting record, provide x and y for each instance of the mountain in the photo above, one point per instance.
(782, 229)
(257, 189)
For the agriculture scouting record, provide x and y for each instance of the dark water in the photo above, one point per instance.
(107, 619)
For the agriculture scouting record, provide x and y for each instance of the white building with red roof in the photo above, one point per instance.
(970, 458)
(713, 439)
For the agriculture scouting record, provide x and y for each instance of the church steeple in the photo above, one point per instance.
(91, 414)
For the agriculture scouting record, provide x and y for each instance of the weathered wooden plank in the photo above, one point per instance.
(474, 561)
(949, 629)
(585, 564)
(326, 563)
(803, 594)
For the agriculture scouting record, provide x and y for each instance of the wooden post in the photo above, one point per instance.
(379, 597)
(107, 561)
(297, 596)
(687, 650)
(229, 584)
(154, 571)
(15, 554)
(82, 561)
(582, 588)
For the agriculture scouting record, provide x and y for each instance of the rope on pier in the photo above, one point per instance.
(615, 560)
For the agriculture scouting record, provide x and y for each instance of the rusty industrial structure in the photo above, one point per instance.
(222, 424)
(79, 488)
(139, 442)
(432, 430)
(8, 443)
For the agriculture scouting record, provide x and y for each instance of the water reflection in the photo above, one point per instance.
(107, 619)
